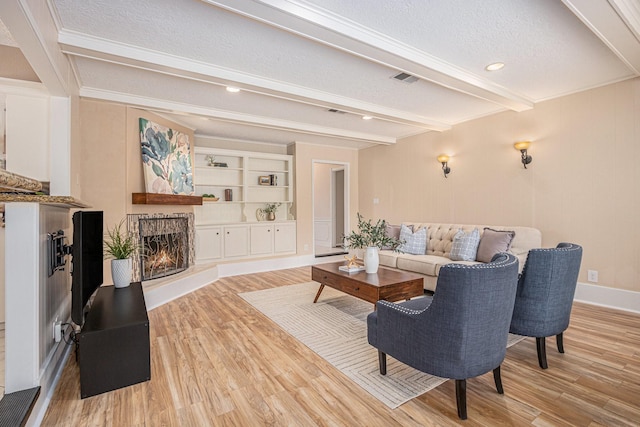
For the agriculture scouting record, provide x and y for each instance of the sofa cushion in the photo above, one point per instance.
(422, 264)
(388, 258)
(493, 242)
(394, 232)
(465, 245)
(414, 243)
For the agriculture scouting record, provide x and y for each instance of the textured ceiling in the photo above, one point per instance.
(296, 59)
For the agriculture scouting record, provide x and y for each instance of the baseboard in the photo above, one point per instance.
(158, 294)
(49, 380)
(161, 292)
(620, 299)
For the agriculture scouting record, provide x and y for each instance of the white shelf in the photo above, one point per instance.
(218, 168)
(267, 171)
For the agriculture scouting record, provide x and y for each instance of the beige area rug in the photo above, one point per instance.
(336, 329)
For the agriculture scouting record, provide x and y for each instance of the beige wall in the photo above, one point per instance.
(322, 190)
(111, 166)
(230, 144)
(582, 186)
(305, 154)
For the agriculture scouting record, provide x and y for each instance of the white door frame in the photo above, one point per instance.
(347, 193)
(334, 204)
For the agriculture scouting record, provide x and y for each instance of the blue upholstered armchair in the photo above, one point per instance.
(461, 332)
(545, 295)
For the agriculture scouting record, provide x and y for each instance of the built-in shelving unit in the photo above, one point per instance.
(244, 182)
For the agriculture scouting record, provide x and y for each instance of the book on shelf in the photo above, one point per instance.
(352, 269)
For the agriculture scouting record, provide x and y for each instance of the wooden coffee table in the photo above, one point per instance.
(389, 285)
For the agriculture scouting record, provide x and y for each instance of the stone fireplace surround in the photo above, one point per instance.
(133, 226)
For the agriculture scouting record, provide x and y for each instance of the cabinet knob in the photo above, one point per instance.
(217, 234)
(268, 230)
(277, 229)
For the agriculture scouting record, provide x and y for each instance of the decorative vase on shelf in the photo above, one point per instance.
(371, 260)
(271, 216)
(121, 271)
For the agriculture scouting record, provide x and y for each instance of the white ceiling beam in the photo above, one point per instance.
(33, 28)
(616, 23)
(83, 45)
(231, 116)
(332, 30)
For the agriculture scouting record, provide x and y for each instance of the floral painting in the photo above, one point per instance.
(166, 159)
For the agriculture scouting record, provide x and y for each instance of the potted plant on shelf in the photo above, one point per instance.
(120, 246)
(268, 212)
(372, 238)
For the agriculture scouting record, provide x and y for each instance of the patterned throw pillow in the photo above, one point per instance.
(414, 243)
(465, 245)
(493, 242)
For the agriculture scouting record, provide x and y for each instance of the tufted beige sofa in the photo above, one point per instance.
(439, 241)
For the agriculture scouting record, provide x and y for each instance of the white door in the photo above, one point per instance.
(285, 238)
(208, 243)
(236, 241)
(261, 239)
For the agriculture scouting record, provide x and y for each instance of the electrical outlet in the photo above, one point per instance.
(592, 276)
(376, 201)
(57, 331)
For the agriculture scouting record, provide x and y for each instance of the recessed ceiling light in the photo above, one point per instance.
(232, 89)
(367, 117)
(495, 66)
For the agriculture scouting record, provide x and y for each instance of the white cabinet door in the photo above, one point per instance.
(284, 237)
(236, 241)
(261, 239)
(208, 243)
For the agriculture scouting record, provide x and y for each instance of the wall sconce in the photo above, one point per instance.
(444, 159)
(522, 146)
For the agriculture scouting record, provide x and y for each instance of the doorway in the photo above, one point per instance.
(330, 207)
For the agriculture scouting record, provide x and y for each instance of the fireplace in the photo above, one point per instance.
(166, 243)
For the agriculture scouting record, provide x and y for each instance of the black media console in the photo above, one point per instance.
(113, 346)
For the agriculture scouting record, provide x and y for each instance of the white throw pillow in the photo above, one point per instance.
(414, 243)
(465, 245)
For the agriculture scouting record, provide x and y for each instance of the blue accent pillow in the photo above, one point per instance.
(414, 243)
(465, 245)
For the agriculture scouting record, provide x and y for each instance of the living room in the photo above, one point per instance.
(579, 187)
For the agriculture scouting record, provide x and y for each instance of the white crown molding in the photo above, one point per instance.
(320, 25)
(629, 11)
(82, 45)
(32, 26)
(617, 27)
(247, 119)
(22, 87)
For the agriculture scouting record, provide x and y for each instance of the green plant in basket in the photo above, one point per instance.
(119, 243)
(370, 234)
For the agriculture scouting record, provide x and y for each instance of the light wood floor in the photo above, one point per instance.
(217, 361)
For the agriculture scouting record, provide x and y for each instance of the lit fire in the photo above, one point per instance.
(161, 260)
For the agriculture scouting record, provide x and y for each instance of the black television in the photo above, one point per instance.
(87, 261)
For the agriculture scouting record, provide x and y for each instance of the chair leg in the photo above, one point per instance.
(461, 398)
(560, 343)
(498, 380)
(382, 361)
(542, 352)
